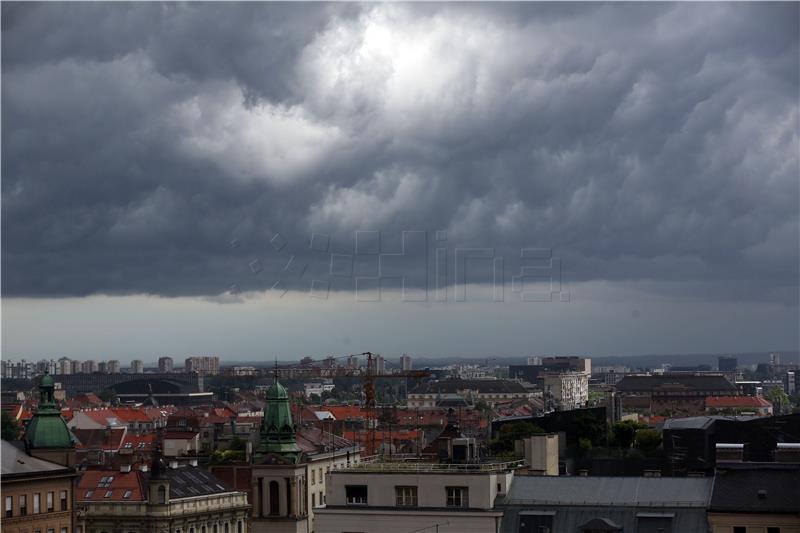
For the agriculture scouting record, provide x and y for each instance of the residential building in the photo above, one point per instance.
(137, 366)
(36, 494)
(185, 499)
(165, 364)
(316, 388)
(565, 390)
(113, 366)
(405, 362)
(397, 497)
(64, 366)
(465, 392)
(75, 367)
(738, 405)
(750, 498)
(605, 504)
(89, 366)
(206, 365)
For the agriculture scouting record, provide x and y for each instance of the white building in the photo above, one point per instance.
(403, 497)
(565, 390)
(405, 362)
(137, 366)
(316, 388)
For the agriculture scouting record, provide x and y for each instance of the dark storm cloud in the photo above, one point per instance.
(158, 148)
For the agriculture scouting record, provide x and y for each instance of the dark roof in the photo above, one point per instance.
(16, 463)
(757, 488)
(675, 381)
(601, 524)
(190, 481)
(113, 485)
(483, 386)
(313, 440)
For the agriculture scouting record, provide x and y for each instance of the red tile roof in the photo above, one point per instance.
(110, 485)
(722, 402)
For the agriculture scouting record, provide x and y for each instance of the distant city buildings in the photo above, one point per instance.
(204, 364)
(113, 367)
(165, 364)
(405, 362)
(465, 392)
(137, 366)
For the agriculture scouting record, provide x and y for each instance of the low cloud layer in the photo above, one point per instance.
(160, 148)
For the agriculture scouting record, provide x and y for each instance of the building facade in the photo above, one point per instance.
(36, 494)
(400, 497)
(165, 364)
(565, 391)
(185, 499)
(205, 364)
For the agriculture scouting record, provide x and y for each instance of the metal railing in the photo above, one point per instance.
(419, 467)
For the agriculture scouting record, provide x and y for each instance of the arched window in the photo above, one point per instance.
(239, 526)
(227, 529)
(274, 499)
(162, 494)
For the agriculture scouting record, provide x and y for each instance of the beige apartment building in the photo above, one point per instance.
(36, 494)
(401, 497)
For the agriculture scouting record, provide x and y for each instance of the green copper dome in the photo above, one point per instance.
(277, 428)
(277, 392)
(47, 429)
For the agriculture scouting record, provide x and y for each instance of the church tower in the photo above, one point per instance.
(278, 470)
(47, 436)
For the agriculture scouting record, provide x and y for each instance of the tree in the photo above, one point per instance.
(513, 432)
(237, 444)
(647, 439)
(624, 432)
(10, 428)
(778, 398)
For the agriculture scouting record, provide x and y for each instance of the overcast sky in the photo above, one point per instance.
(517, 179)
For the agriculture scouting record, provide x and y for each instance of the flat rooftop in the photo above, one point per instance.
(434, 468)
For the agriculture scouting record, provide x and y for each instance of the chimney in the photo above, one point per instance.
(193, 462)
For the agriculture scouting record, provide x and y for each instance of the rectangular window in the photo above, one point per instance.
(313, 476)
(63, 495)
(108, 493)
(313, 500)
(23, 505)
(773, 530)
(64, 530)
(49, 502)
(127, 495)
(457, 497)
(88, 494)
(356, 494)
(37, 503)
(9, 506)
(321, 479)
(406, 496)
(739, 529)
(320, 497)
